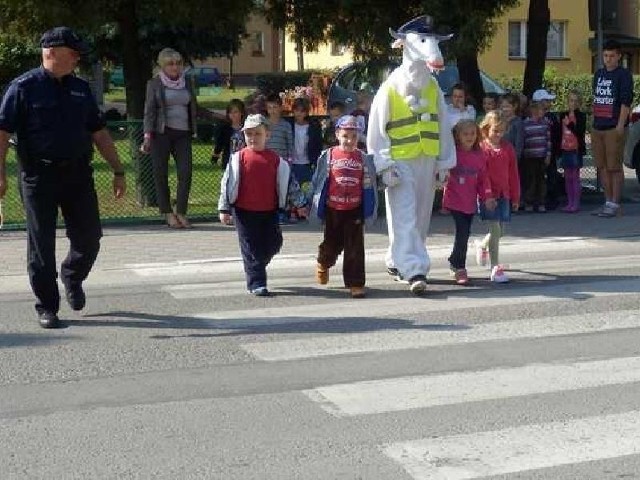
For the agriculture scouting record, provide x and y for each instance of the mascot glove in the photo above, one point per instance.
(442, 176)
(391, 176)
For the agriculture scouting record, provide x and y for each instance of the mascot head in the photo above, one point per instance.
(420, 42)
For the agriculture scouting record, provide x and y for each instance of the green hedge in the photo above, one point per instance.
(561, 85)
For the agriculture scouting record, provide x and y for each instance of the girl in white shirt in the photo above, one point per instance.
(458, 108)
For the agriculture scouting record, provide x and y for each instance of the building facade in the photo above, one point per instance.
(571, 46)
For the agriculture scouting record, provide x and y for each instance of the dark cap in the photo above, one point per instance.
(422, 25)
(64, 37)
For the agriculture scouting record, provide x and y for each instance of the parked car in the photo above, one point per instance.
(356, 76)
(632, 145)
(116, 77)
(205, 76)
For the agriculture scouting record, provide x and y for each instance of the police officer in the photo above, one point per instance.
(56, 120)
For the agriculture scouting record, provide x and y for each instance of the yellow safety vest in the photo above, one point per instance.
(410, 136)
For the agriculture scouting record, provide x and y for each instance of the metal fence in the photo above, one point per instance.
(139, 205)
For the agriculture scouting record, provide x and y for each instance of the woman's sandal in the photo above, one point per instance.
(183, 221)
(172, 221)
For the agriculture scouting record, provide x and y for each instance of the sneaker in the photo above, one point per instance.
(461, 276)
(528, 208)
(610, 211)
(282, 218)
(395, 273)
(418, 284)
(48, 319)
(322, 275)
(260, 292)
(498, 275)
(542, 209)
(482, 254)
(357, 292)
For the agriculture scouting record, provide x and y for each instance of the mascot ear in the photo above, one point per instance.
(397, 43)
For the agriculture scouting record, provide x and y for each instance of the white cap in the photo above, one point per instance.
(255, 120)
(542, 94)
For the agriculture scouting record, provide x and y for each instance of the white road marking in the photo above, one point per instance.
(424, 391)
(418, 335)
(279, 283)
(519, 449)
(280, 262)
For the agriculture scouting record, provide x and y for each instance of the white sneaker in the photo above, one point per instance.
(482, 254)
(418, 285)
(498, 275)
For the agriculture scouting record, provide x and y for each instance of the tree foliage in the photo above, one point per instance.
(305, 21)
(16, 57)
(364, 26)
(133, 31)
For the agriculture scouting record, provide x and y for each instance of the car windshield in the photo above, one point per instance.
(370, 76)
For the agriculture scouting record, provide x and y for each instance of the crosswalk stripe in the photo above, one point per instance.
(519, 449)
(418, 335)
(424, 391)
(279, 283)
(284, 262)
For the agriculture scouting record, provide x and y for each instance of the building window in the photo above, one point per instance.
(556, 40)
(256, 42)
(337, 49)
(517, 39)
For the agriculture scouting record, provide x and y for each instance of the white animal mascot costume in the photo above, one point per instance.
(410, 138)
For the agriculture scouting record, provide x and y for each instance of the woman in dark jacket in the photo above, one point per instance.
(574, 126)
(229, 138)
(169, 124)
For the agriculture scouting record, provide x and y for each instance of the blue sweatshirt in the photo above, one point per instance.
(611, 89)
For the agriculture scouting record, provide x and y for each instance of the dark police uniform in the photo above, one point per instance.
(54, 120)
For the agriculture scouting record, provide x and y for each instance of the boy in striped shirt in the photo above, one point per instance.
(536, 157)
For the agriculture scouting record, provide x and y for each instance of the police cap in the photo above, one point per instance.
(64, 37)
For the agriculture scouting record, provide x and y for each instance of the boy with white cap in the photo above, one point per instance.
(255, 186)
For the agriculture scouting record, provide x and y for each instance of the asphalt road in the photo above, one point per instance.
(174, 372)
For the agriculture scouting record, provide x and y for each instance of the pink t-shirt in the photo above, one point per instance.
(569, 140)
(467, 181)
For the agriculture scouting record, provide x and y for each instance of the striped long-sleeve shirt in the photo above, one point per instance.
(537, 138)
(281, 139)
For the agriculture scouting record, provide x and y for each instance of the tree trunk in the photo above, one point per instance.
(300, 52)
(470, 75)
(537, 30)
(135, 65)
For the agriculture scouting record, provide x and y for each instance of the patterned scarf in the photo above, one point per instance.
(176, 84)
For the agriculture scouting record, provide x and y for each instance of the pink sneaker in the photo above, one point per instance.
(461, 276)
(498, 275)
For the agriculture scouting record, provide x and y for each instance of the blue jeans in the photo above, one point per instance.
(502, 212)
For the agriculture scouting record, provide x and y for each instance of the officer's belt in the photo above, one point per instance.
(64, 163)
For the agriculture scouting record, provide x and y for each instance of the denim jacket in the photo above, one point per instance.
(320, 187)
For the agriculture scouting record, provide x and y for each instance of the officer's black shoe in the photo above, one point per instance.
(48, 319)
(75, 296)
